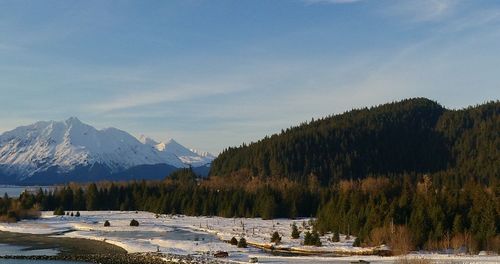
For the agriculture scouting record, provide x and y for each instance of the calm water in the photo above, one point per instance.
(23, 251)
(11, 250)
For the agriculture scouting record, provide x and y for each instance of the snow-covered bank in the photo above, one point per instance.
(184, 235)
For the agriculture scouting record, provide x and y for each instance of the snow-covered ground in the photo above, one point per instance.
(185, 235)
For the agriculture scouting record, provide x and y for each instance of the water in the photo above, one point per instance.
(23, 251)
(11, 250)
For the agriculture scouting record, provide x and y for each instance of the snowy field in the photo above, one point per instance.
(183, 235)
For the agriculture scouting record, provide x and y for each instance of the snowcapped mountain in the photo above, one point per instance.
(63, 147)
(172, 147)
(207, 155)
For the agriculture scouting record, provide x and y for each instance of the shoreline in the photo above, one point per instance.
(73, 249)
(88, 250)
(135, 258)
(66, 245)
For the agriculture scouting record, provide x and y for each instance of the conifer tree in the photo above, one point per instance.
(242, 243)
(295, 231)
(59, 211)
(275, 238)
(336, 236)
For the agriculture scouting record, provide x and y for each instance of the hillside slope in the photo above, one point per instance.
(414, 135)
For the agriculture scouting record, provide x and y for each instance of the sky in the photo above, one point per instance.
(213, 74)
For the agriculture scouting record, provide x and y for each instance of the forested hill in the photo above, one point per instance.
(414, 135)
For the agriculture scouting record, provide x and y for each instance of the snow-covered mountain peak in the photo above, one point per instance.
(205, 154)
(172, 147)
(186, 155)
(69, 144)
(148, 141)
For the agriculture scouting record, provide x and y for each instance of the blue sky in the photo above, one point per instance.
(213, 74)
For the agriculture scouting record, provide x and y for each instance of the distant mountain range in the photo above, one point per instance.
(170, 148)
(49, 152)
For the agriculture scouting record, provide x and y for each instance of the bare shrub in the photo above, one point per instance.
(28, 213)
(379, 236)
(397, 237)
(494, 244)
(458, 242)
(401, 241)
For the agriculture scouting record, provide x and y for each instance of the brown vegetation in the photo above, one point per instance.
(397, 237)
(373, 185)
(15, 211)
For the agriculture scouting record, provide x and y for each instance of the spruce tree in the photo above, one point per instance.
(92, 197)
(307, 238)
(59, 211)
(315, 239)
(275, 238)
(336, 236)
(242, 243)
(357, 242)
(295, 231)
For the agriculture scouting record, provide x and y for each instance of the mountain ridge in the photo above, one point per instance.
(415, 135)
(66, 147)
(171, 147)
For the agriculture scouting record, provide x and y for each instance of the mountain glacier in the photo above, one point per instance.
(60, 147)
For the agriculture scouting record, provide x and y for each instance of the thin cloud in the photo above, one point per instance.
(423, 10)
(230, 82)
(145, 98)
(474, 21)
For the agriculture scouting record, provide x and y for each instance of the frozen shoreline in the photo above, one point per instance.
(184, 235)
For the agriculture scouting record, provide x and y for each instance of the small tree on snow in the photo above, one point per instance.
(336, 236)
(59, 211)
(275, 238)
(307, 238)
(295, 231)
(357, 242)
(242, 243)
(134, 223)
(312, 239)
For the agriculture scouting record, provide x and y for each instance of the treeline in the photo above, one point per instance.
(415, 135)
(414, 214)
(181, 193)
(422, 213)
